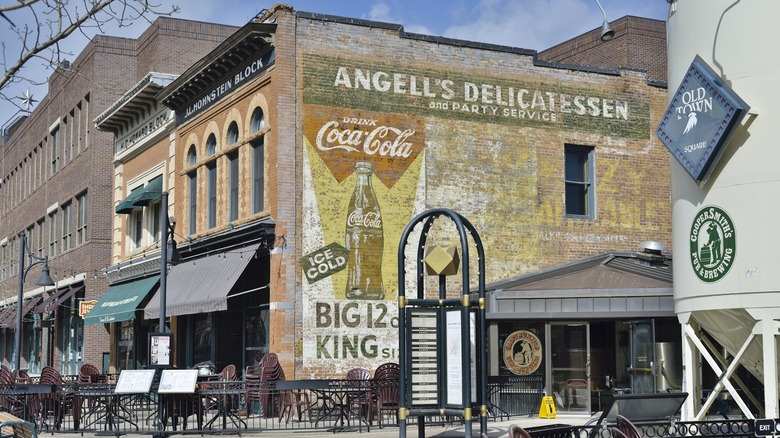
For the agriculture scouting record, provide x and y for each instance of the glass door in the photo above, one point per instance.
(570, 366)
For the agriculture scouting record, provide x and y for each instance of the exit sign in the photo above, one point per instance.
(765, 427)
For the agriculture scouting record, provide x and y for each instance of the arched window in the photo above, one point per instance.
(258, 120)
(211, 170)
(233, 186)
(232, 136)
(192, 156)
(258, 175)
(211, 145)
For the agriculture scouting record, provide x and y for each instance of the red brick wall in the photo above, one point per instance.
(638, 43)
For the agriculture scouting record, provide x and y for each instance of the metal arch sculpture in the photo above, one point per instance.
(464, 305)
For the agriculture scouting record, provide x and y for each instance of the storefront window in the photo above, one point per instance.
(32, 343)
(125, 351)
(201, 343)
(522, 349)
(256, 335)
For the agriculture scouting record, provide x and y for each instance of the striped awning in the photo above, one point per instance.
(200, 285)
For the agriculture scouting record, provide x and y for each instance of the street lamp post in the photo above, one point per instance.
(168, 254)
(43, 280)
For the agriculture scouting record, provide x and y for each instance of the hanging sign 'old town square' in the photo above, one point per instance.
(700, 120)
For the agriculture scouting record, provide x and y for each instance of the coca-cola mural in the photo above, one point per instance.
(384, 141)
(361, 176)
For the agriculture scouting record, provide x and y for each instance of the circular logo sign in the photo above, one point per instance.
(713, 244)
(522, 352)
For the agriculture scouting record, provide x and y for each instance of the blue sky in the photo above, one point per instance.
(528, 24)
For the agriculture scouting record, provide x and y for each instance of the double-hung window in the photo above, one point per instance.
(67, 216)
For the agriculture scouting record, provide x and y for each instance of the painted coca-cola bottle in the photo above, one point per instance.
(365, 240)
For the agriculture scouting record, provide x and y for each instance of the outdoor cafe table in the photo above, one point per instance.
(96, 402)
(225, 395)
(26, 395)
(332, 396)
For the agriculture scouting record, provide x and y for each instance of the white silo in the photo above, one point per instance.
(726, 250)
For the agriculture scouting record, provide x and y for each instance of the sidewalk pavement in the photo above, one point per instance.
(496, 429)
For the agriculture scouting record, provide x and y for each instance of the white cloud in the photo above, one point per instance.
(530, 24)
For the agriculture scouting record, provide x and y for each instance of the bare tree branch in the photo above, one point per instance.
(42, 25)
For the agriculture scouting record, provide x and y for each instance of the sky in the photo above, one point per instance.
(528, 24)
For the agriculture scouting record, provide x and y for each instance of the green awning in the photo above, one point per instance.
(120, 301)
(141, 196)
(151, 192)
(126, 206)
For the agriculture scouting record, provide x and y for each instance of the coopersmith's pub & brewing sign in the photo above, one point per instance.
(701, 118)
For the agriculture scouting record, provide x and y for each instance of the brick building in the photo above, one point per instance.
(299, 143)
(639, 43)
(297, 151)
(56, 187)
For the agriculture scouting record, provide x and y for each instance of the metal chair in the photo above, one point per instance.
(627, 427)
(363, 397)
(54, 404)
(259, 385)
(516, 431)
(386, 382)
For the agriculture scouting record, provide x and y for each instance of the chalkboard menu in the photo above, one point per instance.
(424, 353)
(134, 382)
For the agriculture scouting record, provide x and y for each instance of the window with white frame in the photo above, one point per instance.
(55, 150)
(41, 227)
(4, 261)
(81, 221)
(136, 228)
(153, 212)
(67, 217)
(86, 121)
(53, 234)
(31, 237)
(143, 221)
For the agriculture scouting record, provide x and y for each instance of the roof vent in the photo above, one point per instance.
(652, 247)
(652, 251)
